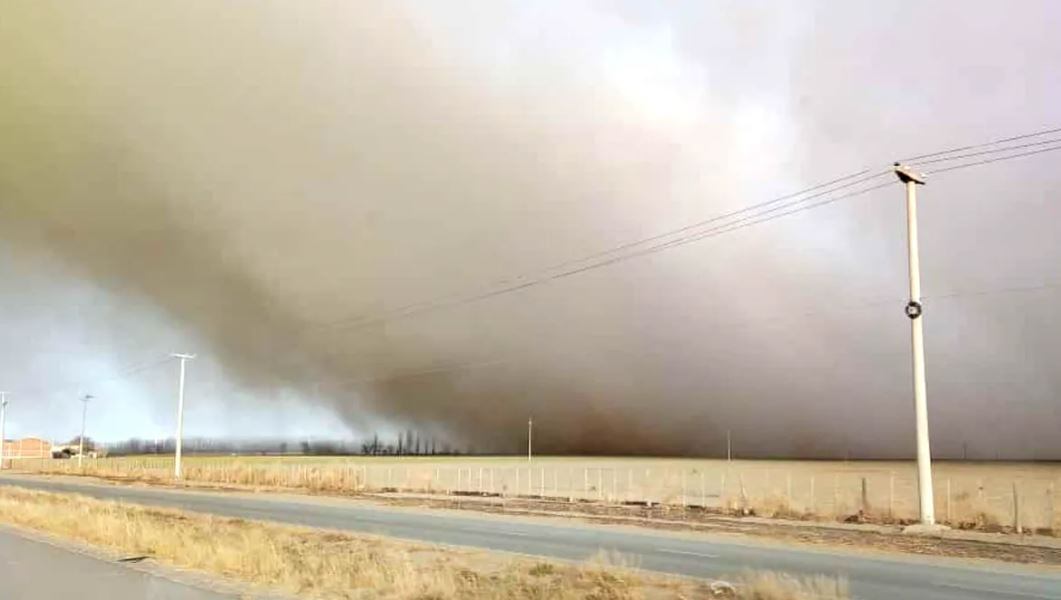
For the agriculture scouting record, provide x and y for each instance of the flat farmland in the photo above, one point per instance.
(1001, 496)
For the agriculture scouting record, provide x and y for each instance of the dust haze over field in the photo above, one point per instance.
(262, 178)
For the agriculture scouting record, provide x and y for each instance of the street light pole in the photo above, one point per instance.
(180, 415)
(914, 312)
(81, 440)
(3, 422)
(530, 432)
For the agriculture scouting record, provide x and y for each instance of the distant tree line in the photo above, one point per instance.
(409, 443)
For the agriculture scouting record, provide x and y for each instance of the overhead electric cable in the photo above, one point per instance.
(983, 145)
(983, 152)
(991, 160)
(777, 203)
(718, 230)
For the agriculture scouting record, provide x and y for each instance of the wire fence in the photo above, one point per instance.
(994, 497)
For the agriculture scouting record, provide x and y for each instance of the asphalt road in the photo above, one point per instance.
(872, 577)
(35, 570)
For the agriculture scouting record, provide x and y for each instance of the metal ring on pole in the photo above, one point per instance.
(913, 309)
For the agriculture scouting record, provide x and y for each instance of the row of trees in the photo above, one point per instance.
(409, 443)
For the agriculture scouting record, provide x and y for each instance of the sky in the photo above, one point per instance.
(268, 185)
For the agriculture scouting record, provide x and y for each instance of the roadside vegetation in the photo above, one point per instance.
(327, 564)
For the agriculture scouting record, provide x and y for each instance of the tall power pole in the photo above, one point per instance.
(81, 440)
(913, 311)
(3, 421)
(180, 415)
(530, 437)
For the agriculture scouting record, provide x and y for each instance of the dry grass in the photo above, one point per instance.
(778, 586)
(326, 564)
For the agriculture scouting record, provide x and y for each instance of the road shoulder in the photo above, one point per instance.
(30, 559)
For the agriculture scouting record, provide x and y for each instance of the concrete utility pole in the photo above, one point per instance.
(913, 311)
(530, 434)
(3, 421)
(81, 440)
(729, 448)
(180, 415)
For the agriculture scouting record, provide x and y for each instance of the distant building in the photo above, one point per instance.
(30, 447)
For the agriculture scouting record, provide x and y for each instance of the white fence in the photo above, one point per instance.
(1007, 496)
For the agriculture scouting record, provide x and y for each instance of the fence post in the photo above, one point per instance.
(813, 503)
(1050, 506)
(950, 515)
(1017, 525)
(703, 491)
(743, 493)
(788, 491)
(629, 484)
(722, 491)
(891, 495)
(683, 488)
(836, 496)
(865, 497)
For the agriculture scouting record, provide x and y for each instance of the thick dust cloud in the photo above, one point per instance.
(277, 179)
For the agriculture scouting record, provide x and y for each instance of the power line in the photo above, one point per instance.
(748, 221)
(722, 229)
(780, 202)
(983, 145)
(723, 216)
(991, 160)
(421, 306)
(983, 152)
(127, 371)
(778, 207)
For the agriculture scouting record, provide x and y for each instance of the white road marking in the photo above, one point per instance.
(981, 589)
(687, 553)
(515, 533)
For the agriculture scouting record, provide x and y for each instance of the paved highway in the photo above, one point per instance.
(872, 577)
(35, 570)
